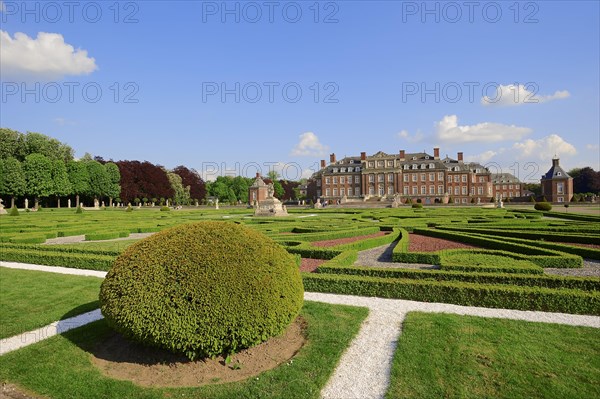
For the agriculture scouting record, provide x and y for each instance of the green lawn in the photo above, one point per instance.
(31, 299)
(60, 367)
(449, 356)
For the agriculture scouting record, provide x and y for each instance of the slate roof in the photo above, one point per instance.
(556, 172)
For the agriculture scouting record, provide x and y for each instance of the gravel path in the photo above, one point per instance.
(591, 268)
(81, 238)
(53, 269)
(382, 257)
(58, 327)
(364, 369)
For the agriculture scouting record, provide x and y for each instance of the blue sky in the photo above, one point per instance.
(373, 75)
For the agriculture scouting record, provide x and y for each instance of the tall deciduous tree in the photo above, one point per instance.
(143, 180)
(12, 179)
(191, 178)
(61, 186)
(99, 179)
(11, 144)
(79, 179)
(181, 194)
(37, 143)
(114, 175)
(585, 180)
(38, 176)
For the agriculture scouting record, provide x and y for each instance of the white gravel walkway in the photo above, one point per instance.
(53, 269)
(58, 327)
(364, 369)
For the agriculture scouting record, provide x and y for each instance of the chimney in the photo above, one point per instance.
(363, 156)
(332, 158)
(323, 164)
(460, 157)
(402, 155)
(555, 162)
(436, 153)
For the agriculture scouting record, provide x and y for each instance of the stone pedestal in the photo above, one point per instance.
(270, 207)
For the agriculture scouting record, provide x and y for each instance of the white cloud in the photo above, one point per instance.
(309, 146)
(592, 147)
(64, 122)
(448, 130)
(511, 95)
(544, 148)
(411, 138)
(484, 157)
(45, 57)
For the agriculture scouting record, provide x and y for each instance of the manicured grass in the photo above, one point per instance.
(60, 367)
(30, 299)
(449, 356)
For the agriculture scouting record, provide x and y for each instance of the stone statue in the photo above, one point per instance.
(69, 202)
(270, 190)
(217, 204)
(2, 210)
(26, 203)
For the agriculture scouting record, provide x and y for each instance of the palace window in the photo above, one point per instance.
(380, 178)
(390, 177)
(560, 187)
(432, 177)
(342, 180)
(380, 164)
(390, 190)
(335, 192)
(405, 177)
(456, 190)
(327, 180)
(405, 190)
(357, 191)
(480, 190)
(335, 170)
(371, 190)
(356, 179)
(335, 180)
(405, 166)
(391, 164)
(441, 176)
(431, 166)
(431, 190)
(327, 192)
(464, 178)
(440, 190)
(415, 190)
(423, 176)
(371, 178)
(414, 177)
(464, 190)
(381, 191)
(423, 190)
(342, 191)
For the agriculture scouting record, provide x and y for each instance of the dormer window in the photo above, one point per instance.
(414, 158)
(335, 170)
(350, 169)
(343, 170)
(357, 169)
(426, 156)
(558, 174)
(423, 166)
(405, 167)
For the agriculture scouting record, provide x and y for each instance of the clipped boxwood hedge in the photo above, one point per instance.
(460, 293)
(203, 289)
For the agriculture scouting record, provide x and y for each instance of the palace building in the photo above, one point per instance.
(412, 176)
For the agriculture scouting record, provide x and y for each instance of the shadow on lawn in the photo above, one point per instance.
(102, 342)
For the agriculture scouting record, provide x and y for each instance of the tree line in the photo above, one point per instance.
(37, 167)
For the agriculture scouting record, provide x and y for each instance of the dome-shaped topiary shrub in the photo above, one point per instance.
(203, 289)
(543, 206)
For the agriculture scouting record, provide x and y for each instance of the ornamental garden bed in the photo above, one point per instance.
(348, 240)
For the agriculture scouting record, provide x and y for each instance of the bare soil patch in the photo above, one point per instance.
(421, 243)
(340, 241)
(10, 391)
(121, 359)
(310, 265)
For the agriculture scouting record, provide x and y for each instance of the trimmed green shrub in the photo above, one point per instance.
(13, 211)
(79, 210)
(58, 258)
(418, 205)
(543, 206)
(129, 209)
(203, 289)
(493, 296)
(165, 209)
